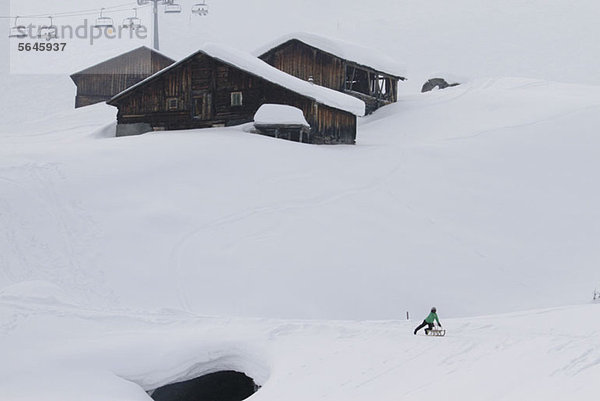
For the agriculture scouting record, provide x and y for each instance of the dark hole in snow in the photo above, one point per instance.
(220, 386)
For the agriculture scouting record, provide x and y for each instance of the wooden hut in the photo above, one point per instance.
(103, 81)
(220, 86)
(281, 121)
(358, 71)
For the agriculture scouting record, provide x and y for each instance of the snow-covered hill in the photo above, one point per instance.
(61, 352)
(480, 199)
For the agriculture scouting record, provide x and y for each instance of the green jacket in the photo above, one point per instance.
(432, 316)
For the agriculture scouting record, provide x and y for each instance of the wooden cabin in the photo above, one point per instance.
(361, 72)
(102, 81)
(219, 86)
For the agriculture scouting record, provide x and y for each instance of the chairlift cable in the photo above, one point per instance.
(112, 9)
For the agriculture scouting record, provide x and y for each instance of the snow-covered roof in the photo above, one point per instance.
(276, 114)
(342, 49)
(253, 65)
(142, 51)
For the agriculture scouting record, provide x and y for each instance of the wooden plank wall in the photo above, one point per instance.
(101, 82)
(302, 61)
(334, 126)
(152, 97)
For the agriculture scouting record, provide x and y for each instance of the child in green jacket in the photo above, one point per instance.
(429, 321)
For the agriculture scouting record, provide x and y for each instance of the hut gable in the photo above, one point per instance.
(222, 86)
(102, 81)
(361, 72)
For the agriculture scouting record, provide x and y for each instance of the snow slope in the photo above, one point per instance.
(478, 198)
(97, 355)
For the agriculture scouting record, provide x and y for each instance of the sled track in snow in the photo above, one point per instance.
(233, 218)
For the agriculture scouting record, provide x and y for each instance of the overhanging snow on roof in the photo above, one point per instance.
(279, 114)
(141, 51)
(345, 50)
(253, 65)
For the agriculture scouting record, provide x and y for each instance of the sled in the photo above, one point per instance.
(437, 332)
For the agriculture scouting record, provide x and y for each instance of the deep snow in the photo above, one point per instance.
(279, 114)
(480, 199)
(62, 352)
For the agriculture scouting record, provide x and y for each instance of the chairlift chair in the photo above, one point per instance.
(200, 8)
(104, 22)
(172, 8)
(48, 32)
(132, 23)
(18, 31)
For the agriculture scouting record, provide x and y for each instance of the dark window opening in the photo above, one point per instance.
(357, 80)
(220, 386)
(372, 84)
(172, 103)
(236, 98)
